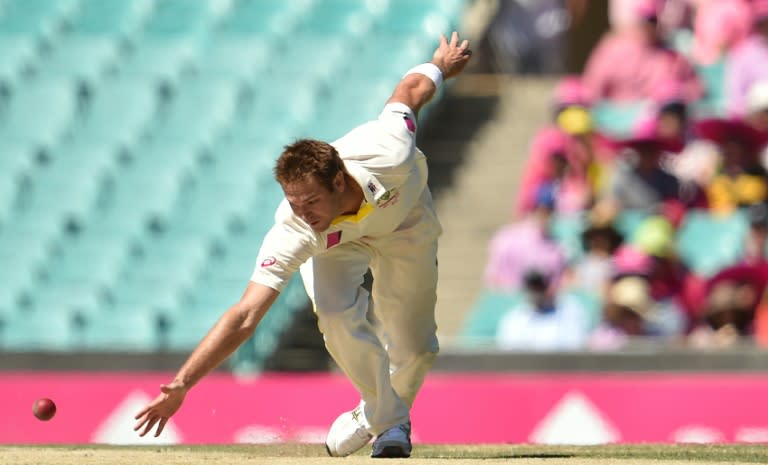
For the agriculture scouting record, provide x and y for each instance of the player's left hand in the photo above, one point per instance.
(451, 57)
(161, 409)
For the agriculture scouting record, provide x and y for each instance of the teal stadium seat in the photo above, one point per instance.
(23, 120)
(130, 329)
(341, 19)
(257, 18)
(19, 56)
(47, 331)
(183, 122)
(566, 230)
(707, 243)
(39, 20)
(714, 101)
(618, 119)
(116, 19)
(482, 321)
(239, 57)
(80, 59)
(135, 100)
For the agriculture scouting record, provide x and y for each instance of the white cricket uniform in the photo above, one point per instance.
(394, 233)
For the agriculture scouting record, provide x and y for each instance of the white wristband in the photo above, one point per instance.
(429, 70)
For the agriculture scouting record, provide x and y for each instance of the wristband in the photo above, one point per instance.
(429, 70)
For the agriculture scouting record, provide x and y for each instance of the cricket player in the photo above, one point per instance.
(359, 203)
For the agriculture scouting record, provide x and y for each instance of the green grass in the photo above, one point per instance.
(300, 454)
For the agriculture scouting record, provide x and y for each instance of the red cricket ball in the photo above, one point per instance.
(44, 409)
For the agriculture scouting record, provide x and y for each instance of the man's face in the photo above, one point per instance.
(313, 202)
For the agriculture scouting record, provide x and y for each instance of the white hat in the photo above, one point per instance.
(634, 293)
(757, 97)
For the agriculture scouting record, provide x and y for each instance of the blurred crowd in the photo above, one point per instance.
(686, 154)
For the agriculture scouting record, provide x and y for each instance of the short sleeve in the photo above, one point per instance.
(283, 251)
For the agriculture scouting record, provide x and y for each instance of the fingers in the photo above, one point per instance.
(151, 424)
(464, 45)
(161, 426)
(443, 41)
(454, 39)
(142, 413)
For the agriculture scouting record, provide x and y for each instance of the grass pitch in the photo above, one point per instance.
(300, 454)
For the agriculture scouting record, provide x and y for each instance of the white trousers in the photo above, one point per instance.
(385, 349)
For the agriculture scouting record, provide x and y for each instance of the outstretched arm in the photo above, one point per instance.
(232, 329)
(420, 83)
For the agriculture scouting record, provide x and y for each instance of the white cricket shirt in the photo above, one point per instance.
(382, 157)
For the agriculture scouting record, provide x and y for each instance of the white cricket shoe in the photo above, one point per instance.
(347, 434)
(394, 442)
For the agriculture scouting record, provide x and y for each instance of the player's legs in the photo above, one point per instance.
(404, 295)
(333, 281)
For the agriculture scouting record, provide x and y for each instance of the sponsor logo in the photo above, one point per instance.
(267, 262)
(372, 187)
(333, 239)
(409, 124)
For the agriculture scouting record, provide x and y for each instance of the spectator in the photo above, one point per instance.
(523, 245)
(757, 107)
(639, 181)
(718, 27)
(728, 316)
(543, 322)
(645, 62)
(757, 237)
(567, 154)
(671, 285)
(594, 270)
(741, 179)
(627, 313)
(748, 62)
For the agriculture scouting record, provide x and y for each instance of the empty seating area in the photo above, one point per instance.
(136, 146)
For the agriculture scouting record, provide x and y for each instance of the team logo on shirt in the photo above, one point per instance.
(267, 262)
(332, 239)
(388, 198)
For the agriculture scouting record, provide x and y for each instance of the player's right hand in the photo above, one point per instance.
(451, 57)
(161, 409)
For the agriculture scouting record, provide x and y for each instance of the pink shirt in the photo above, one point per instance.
(747, 64)
(643, 69)
(518, 248)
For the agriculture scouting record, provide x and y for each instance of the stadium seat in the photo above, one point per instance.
(162, 60)
(256, 18)
(36, 19)
(87, 262)
(130, 329)
(84, 60)
(707, 243)
(134, 99)
(180, 18)
(344, 19)
(237, 57)
(483, 318)
(19, 55)
(617, 119)
(24, 122)
(79, 301)
(566, 230)
(713, 78)
(117, 19)
(183, 122)
(47, 331)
